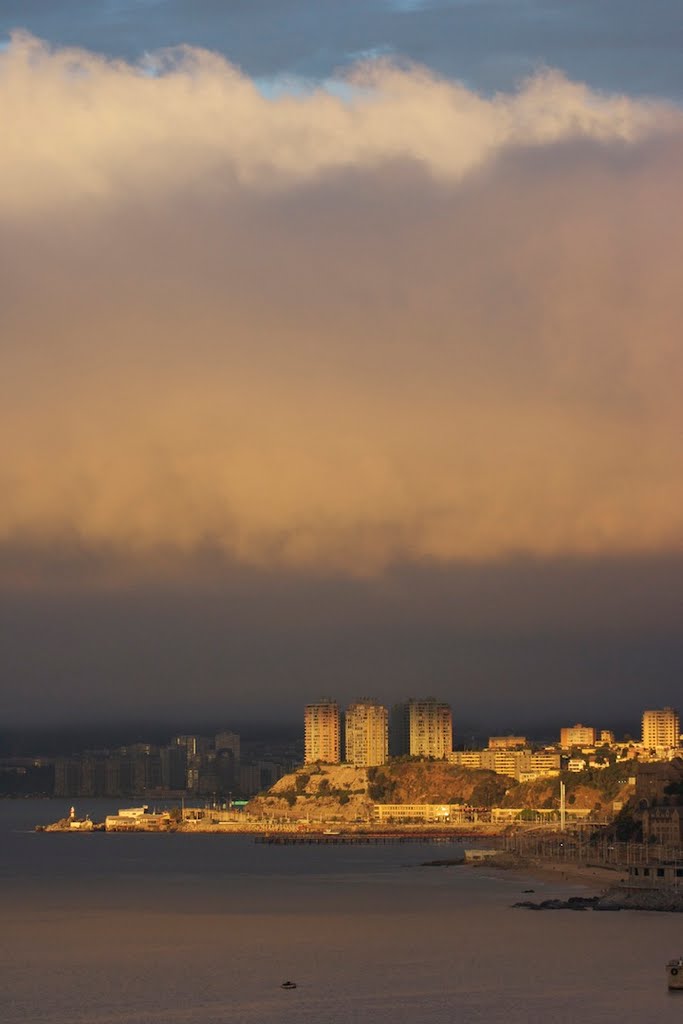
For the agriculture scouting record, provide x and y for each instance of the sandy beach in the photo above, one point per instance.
(592, 877)
(598, 878)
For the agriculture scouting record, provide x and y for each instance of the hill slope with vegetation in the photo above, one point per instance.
(327, 793)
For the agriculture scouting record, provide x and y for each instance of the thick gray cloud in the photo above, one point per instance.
(523, 645)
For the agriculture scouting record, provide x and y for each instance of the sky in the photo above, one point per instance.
(340, 356)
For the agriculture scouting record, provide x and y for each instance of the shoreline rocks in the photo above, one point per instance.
(445, 863)
(618, 898)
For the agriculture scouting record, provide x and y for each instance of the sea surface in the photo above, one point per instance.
(149, 929)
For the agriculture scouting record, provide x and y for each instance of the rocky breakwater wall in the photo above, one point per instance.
(616, 898)
(72, 825)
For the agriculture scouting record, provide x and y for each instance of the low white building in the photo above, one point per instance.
(383, 813)
(522, 765)
(136, 819)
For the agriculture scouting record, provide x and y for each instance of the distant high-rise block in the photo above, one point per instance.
(190, 744)
(322, 732)
(173, 767)
(367, 733)
(227, 740)
(661, 729)
(422, 728)
(577, 736)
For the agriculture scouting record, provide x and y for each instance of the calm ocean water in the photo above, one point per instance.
(128, 929)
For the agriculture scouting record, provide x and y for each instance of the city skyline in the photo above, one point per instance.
(653, 724)
(219, 767)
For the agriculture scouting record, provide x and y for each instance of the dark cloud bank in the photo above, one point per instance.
(522, 645)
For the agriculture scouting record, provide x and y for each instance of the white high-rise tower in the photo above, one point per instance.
(661, 729)
(366, 730)
(322, 732)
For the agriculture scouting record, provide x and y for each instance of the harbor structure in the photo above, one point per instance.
(137, 819)
(322, 732)
(366, 729)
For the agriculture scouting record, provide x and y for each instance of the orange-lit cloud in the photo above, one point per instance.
(405, 323)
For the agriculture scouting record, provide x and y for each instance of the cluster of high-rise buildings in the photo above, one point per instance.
(367, 733)
(192, 765)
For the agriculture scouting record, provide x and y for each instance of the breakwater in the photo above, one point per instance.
(355, 838)
(665, 900)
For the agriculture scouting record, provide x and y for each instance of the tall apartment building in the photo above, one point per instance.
(577, 736)
(422, 728)
(366, 730)
(661, 729)
(173, 767)
(322, 732)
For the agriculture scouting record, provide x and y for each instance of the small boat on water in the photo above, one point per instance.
(674, 972)
(288, 984)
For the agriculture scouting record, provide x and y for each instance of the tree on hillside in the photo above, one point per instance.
(301, 783)
(489, 792)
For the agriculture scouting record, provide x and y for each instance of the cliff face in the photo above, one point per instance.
(318, 793)
(594, 790)
(436, 782)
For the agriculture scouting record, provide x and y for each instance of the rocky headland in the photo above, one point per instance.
(343, 793)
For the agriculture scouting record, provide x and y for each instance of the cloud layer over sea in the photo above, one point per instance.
(409, 322)
(374, 382)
